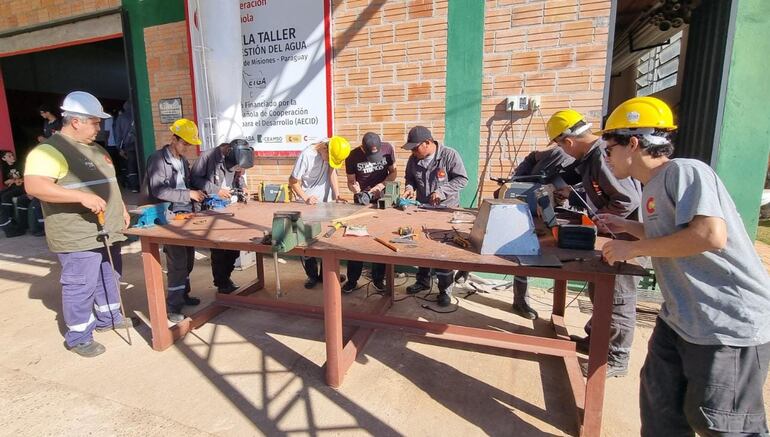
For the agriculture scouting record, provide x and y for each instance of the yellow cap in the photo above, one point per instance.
(339, 149)
(641, 112)
(186, 130)
(563, 122)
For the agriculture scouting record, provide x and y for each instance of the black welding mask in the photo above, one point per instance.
(241, 154)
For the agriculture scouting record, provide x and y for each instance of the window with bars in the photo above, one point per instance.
(657, 69)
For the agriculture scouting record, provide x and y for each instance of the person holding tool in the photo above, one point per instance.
(74, 179)
(313, 180)
(538, 162)
(168, 180)
(368, 167)
(604, 193)
(434, 175)
(708, 354)
(214, 173)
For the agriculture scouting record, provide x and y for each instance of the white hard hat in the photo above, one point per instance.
(81, 102)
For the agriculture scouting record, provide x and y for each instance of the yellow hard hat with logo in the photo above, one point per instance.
(339, 149)
(565, 122)
(641, 112)
(186, 130)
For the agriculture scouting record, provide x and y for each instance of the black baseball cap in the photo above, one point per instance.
(372, 147)
(417, 135)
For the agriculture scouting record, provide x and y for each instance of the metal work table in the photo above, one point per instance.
(244, 229)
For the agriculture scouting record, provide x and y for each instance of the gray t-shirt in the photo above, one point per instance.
(313, 173)
(713, 298)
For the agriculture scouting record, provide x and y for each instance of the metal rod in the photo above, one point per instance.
(120, 298)
(278, 291)
(105, 236)
(591, 210)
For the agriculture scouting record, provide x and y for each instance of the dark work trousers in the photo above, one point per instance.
(311, 266)
(179, 264)
(355, 268)
(444, 277)
(623, 319)
(89, 293)
(520, 285)
(7, 222)
(689, 388)
(222, 265)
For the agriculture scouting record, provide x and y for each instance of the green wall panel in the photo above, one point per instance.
(465, 53)
(743, 145)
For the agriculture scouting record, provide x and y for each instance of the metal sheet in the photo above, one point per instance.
(324, 212)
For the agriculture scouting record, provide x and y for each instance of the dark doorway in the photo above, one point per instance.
(45, 77)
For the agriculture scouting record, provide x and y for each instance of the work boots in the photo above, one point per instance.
(444, 298)
(175, 317)
(523, 309)
(226, 288)
(89, 349)
(417, 287)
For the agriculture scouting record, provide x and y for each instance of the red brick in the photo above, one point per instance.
(420, 9)
(418, 91)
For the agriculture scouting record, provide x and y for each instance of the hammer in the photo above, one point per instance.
(105, 236)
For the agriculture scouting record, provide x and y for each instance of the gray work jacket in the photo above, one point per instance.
(162, 181)
(608, 193)
(209, 173)
(445, 175)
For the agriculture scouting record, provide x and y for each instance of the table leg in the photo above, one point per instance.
(260, 272)
(156, 296)
(333, 320)
(597, 356)
(390, 281)
(559, 296)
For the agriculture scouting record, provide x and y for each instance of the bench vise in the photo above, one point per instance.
(146, 216)
(390, 195)
(289, 231)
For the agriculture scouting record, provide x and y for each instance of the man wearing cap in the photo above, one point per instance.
(168, 180)
(75, 180)
(313, 180)
(368, 167)
(434, 175)
(605, 194)
(214, 174)
(708, 354)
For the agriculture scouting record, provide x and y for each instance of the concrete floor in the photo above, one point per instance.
(257, 373)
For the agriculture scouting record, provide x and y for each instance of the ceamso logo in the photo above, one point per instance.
(266, 139)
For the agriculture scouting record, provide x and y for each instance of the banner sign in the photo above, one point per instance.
(286, 100)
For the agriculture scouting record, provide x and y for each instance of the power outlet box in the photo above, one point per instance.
(517, 103)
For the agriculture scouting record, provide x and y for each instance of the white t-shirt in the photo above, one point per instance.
(313, 173)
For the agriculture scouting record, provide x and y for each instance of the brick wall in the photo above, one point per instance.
(388, 75)
(556, 49)
(22, 13)
(169, 74)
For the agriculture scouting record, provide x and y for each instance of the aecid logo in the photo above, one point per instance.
(295, 139)
(650, 205)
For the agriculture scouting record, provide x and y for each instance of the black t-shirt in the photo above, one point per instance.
(369, 174)
(49, 127)
(11, 171)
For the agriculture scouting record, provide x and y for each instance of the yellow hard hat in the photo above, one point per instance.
(563, 123)
(641, 112)
(339, 149)
(186, 130)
